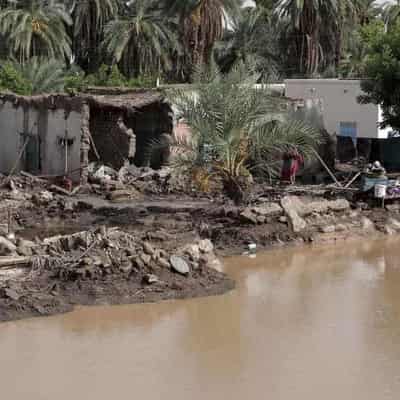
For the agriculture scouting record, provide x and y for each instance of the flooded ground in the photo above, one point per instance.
(302, 324)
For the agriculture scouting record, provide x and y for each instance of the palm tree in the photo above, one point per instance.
(90, 18)
(252, 36)
(314, 31)
(202, 24)
(35, 27)
(43, 75)
(36, 76)
(140, 41)
(368, 11)
(236, 128)
(391, 13)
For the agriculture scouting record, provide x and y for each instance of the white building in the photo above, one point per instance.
(341, 112)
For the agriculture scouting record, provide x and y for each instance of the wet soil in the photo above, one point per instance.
(169, 223)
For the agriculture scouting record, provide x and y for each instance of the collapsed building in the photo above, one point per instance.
(59, 135)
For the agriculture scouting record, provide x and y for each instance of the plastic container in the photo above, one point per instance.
(252, 247)
(380, 191)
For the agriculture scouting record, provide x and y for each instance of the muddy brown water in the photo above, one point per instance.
(320, 323)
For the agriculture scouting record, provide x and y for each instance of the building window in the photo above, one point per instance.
(348, 129)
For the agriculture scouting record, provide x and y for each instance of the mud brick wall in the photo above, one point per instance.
(111, 144)
(148, 124)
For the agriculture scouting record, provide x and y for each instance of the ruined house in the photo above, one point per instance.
(59, 135)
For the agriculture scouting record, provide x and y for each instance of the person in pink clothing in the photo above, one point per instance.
(292, 161)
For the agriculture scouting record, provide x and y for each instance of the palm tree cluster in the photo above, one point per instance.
(169, 38)
(237, 131)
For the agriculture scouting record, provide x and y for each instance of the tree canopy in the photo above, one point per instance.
(169, 38)
(382, 68)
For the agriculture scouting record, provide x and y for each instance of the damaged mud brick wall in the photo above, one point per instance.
(112, 145)
(58, 135)
(148, 123)
(85, 143)
(35, 133)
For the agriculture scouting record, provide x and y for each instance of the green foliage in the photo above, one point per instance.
(169, 38)
(252, 38)
(237, 128)
(112, 77)
(107, 76)
(89, 20)
(141, 42)
(36, 76)
(36, 28)
(12, 80)
(382, 67)
(75, 82)
(44, 76)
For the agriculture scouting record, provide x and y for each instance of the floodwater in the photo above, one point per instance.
(303, 324)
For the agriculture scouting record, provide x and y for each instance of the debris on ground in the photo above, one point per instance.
(105, 264)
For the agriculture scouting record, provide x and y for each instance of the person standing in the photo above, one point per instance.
(292, 161)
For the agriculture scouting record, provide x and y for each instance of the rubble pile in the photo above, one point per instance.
(96, 254)
(131, 182)
(102, 265)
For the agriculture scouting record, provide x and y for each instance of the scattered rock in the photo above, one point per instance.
(193, 251)
(339, 205)
(164, 263)
(24, 247)
(16, 195)
(12, 294)
(126, 267)
(179, 265)
(248, 216)
(148, 248)
(268, 209)
(150, 279)
(24, 251)
(160, 235)
(261, 219)
(68, 205)
(6, 247)
(120, 195)
(327, 229)
(139, 263)
(394, 224)
(354, 214)
(206, 246)
(283, 219)
(367, 224)
(340, 228)
(145, 258)
(296, 222)
(291, 205)
(320, 207)
(389, 230)
(43, 197)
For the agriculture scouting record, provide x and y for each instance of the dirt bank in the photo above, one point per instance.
(118, 249)
(104, 266)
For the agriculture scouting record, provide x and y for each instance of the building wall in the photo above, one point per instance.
(44, 152)
(338, 100)
(54, 154)
(11, 126)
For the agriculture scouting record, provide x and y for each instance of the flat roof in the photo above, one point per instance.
(324, 81)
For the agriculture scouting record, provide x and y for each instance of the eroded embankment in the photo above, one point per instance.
(158, 248)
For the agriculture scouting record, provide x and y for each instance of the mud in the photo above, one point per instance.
(171, 223)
